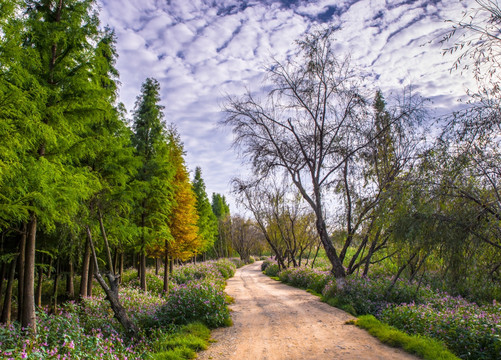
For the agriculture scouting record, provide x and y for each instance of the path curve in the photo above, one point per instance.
(273, 321)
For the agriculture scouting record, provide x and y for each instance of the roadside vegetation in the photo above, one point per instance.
(169, 327)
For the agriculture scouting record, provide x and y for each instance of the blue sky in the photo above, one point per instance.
(202, 50)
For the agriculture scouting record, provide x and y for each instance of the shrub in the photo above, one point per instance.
(195, 301)
(220, 269)
(267, 262)
(305, 278)
(371, 296)
(62, 336)
(330, 289)
(469, 330)
(272, 270)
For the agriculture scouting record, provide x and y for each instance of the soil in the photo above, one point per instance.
(273, 321)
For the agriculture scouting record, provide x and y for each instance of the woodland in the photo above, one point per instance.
(371, 201)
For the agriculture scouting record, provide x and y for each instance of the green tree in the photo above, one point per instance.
(58, 39)
(222, 244)
(207, 221)
(153, 185)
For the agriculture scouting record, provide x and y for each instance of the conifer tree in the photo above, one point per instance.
(153, 185)
(183, 220)
(207, 221)
(222, 244)
(59, 38)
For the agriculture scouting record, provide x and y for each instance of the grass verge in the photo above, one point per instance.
(423, 347)
(182, 344)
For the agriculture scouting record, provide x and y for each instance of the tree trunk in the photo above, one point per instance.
(90, 278)
(166, 273)
(7, 304)
(85, 270)
(112, 293)
(337, 267)
(171, 265)
(121, 267)
(38, 297)
(28, 320)
(2, 276)
(70, 289)
(54, 289)
(20, 272)
(143, 271)
(157, 265)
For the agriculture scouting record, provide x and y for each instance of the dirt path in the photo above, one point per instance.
(273, 321)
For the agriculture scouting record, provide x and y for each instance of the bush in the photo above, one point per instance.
(469, 330)
(330, 289)
(62, 335)
(272, 270)
(267, 262)
(371, 296)
(306, 278)
(214, 270)
(195, 301)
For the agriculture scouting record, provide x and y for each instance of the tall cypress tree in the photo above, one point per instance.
(207, 221)
(153, 183)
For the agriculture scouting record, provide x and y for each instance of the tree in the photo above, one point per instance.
(245, 236)
(315, 120)
(153, 185)
(207, 221)
(58, 40)
(222, 246)
(184, 218)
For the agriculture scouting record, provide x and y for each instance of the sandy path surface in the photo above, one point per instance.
(273, 321)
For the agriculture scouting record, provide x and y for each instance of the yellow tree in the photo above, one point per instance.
(185, 241)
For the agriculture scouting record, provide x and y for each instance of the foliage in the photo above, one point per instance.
(469, 330)
(201, 300)
(267, 262)
(272, 270)
(63, 336)
(207, 221)
(371, 295)
(306, 278)
(183, 219)
(425, 348)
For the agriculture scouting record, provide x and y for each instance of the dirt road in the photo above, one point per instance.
(273, 321)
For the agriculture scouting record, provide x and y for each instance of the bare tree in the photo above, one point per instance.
(281, 216)
(315, 118)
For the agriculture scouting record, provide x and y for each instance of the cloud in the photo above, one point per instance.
(202, 50)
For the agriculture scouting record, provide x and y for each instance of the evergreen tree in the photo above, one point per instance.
(153, 185)
(59, 38)
(222, 245)
(207, 221)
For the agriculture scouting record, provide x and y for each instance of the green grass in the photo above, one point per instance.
(182, 344)
(423, 347)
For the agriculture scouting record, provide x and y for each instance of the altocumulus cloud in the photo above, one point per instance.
(201, 50)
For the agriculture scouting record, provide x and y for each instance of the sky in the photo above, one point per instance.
(201, 51)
